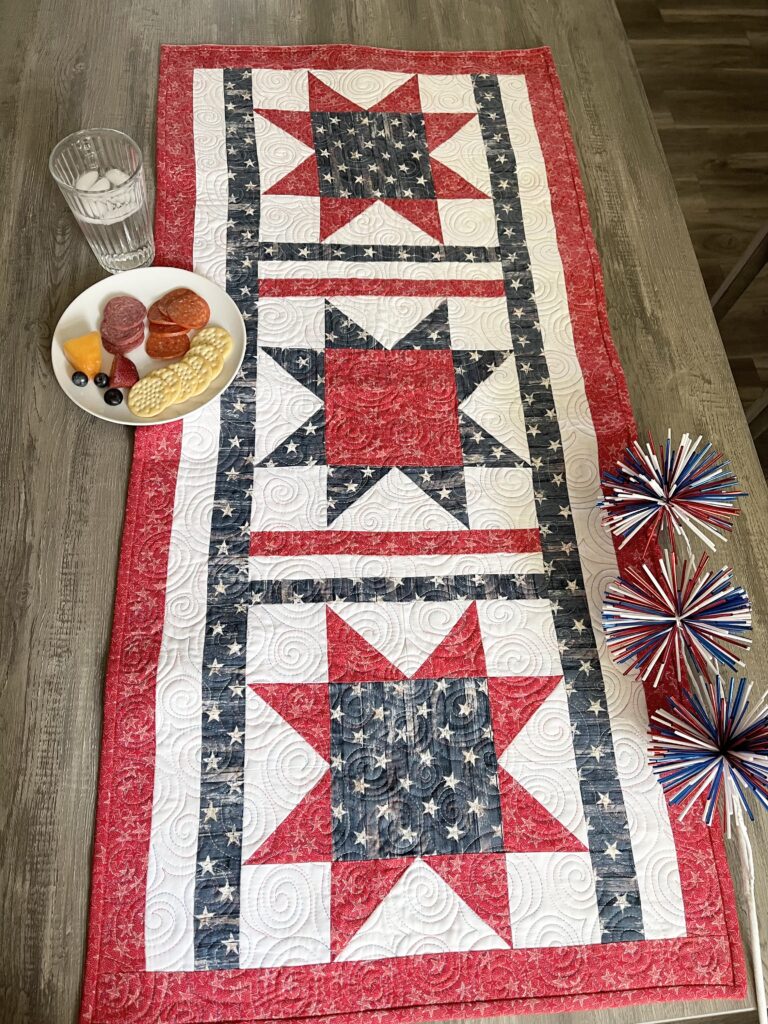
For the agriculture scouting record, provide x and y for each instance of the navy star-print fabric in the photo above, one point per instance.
(417, 769)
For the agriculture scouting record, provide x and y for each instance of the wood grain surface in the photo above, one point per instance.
(65, 66)
(704, 68)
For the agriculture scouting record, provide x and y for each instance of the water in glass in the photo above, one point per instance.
(101, 175)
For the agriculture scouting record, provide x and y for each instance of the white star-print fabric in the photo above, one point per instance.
(366, 755)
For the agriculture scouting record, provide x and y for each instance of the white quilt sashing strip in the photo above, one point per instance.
(211, 175)
(346, 566)
(169, 920)
(178, 705)
(653, 844)
(442, 271)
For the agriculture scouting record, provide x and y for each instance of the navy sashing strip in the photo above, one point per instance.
(618, 897)
(302, 251)
(217, 882)
(475, 587)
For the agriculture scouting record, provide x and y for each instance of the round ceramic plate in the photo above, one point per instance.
(147, 284)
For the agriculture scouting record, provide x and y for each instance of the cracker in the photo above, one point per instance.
(191, 378)
(213, 356)
(202, 368)
(215, 336)
(174, 387)
(149, 396)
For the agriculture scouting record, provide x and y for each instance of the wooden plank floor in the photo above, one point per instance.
(704, 68)
(64, 66)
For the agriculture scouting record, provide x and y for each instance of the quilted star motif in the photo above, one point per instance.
(413, 412)
(359, 157)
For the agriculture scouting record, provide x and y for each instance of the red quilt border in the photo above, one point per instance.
(115, 982)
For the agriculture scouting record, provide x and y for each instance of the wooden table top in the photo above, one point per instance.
(66, 66)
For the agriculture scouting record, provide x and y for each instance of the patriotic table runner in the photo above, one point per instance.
(365, 754)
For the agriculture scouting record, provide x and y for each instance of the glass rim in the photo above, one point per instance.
(65, 185)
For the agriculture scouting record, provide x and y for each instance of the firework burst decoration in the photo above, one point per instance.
(710, 747)
(688, 488)
(712, 743)
(676, 619)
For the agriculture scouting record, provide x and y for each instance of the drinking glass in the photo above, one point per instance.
(101, 176)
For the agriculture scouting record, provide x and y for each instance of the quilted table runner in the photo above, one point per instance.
(365, 754)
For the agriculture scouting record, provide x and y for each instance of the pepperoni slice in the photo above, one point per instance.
(186, 307)
(162, 304)
(164, 328)
(167, 346)
(157, 318)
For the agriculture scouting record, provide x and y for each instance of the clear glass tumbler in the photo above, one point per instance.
(101, 175)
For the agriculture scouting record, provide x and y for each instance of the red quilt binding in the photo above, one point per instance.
(709, 963)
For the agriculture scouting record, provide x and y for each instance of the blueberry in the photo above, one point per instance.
(113, 396)
(79, 379)
(101, 380)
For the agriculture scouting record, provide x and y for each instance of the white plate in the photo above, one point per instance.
(148, 285)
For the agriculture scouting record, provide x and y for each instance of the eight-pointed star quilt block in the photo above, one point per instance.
(400, 172)
(389, 427)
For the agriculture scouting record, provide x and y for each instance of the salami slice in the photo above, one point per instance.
(123, 312)
(186, 308)
(167, 346)
(123, 345)
(116, 336)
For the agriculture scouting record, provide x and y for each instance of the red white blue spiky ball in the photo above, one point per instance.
(681, 620)
(712, 745)
(688, 489)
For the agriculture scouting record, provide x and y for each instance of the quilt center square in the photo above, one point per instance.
(391, 408)
(413, 769)
(366, 155)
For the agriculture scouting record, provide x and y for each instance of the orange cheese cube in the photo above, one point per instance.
(84, 353)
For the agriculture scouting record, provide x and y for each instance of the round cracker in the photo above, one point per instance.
(215, 336)
(149, 396)
(171, 379)
(192, 378)
(185, 380)
(202, 368)
(212, 355)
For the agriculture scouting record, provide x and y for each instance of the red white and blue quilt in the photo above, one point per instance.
(366, 755)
